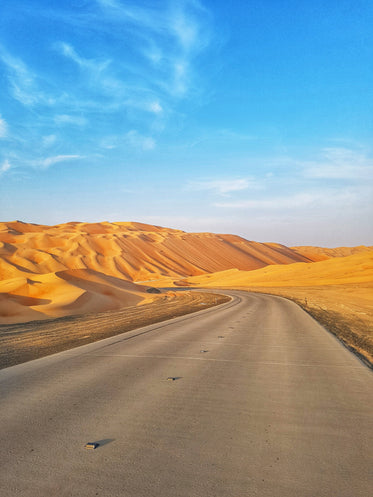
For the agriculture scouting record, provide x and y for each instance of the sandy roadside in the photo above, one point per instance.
(25, 342)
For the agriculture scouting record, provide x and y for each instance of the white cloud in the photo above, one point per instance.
(68, 119)
(5, 166)
(317, 199)
(223, 186)
(155, 107)
(136, 140)
(91, 64)
(172, 36)
(340, 164)
(49, 140)
(3, 128)
(50, 161)
(23, 82)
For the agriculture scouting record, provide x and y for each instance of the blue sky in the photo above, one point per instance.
(254, 118)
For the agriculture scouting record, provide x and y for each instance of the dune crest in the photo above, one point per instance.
(131, 251)
(356, 268)
(75, 267)
(317, 254)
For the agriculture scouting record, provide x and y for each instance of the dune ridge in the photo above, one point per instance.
(133, 251)
(75, 268)
(317, 254)
(357, 268)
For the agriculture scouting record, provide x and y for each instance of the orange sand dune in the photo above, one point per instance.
(131, 251)
(73, 268)
(316, 254)
(356, 268)
(64, 293)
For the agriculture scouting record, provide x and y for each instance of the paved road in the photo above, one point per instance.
(276, 407)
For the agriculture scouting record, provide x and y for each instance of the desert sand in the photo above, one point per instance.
(316, 254)
(77, 268)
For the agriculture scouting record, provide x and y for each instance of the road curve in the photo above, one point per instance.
(275, 407)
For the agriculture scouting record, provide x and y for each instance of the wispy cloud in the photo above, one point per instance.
(23, 82)
(3, 128)
(50, 161)
(49, 140)
(340, 164)
(301, 200)
(170, 37)
(87, 64)
(4, 167)
(70, 119)
(223, 186)
(155, 107)
(138, 141)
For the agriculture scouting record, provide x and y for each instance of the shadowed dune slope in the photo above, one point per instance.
(356, 268)
(64, 293)
(75, 268)
(132, 251)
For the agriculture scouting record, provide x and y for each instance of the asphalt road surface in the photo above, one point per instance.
(275, 406)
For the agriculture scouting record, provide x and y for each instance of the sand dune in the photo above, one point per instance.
(132, 251)
(64, 293)
(73, 268)
(356, 268)
(316, 254)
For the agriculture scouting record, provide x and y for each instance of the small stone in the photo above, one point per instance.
(91, 445)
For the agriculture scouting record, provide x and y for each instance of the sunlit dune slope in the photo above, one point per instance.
(74, 268)
(317, 254)
(356, 268)
(64, 293)
(131, 251)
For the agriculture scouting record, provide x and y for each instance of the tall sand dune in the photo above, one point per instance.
(73, 268)
(356, 268)
(132, 251)
(76, 291)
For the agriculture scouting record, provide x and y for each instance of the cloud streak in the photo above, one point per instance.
(223, 186)
(4, 167)
(138, 141)
(302, 200)
(23, 82)
(51, 161)
(3, 128)
(340, 164)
